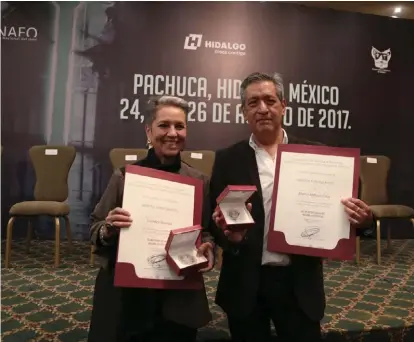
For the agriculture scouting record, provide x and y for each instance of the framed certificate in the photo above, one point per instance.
(307, 216)
(158, 202)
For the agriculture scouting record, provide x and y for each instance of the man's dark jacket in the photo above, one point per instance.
(240, 273)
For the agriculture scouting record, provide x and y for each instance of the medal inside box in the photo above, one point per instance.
(232, 203)
(181, 250)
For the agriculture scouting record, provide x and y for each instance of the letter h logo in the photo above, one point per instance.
(192, 41)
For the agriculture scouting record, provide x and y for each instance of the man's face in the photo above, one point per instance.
(263, 109)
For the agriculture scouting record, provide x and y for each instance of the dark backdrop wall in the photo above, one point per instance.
(81, 74)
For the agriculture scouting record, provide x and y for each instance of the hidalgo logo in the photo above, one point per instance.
(195, 41)
(381, 60)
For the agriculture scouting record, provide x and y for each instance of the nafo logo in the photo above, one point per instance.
(18, 33)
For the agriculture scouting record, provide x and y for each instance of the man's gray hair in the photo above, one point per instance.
(166, 100)
(276, 78)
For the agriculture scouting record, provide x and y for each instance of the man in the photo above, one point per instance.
(256, 286)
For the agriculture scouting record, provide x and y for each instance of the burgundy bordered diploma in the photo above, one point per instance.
(307, 216)
(158, 202)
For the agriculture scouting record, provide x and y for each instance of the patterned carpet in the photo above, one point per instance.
(365, 303)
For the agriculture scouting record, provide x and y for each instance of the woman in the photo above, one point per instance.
(146, 315)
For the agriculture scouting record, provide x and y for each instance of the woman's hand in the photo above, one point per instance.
(116, 219)
(206, 249)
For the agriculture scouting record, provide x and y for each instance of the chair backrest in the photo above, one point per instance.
(52, 165)
(374, 176)
(201, 160)
(122, 156)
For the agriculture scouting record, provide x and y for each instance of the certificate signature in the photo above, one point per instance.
(310, 232)
(156, 260)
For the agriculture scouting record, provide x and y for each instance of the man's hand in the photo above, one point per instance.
(206, 249)
(358, 212)
(233, 236)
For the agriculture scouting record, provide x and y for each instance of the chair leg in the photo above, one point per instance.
(219, 258)
(8, 242)
(68, 233)
(92, 259)
(388, 237)
(378, 242)
(57, 242)
(29, 235)
(358, 250)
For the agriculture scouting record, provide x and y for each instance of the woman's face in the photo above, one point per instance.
(168, 131)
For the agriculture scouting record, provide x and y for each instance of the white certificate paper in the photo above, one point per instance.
(309, 211)
(156, 206)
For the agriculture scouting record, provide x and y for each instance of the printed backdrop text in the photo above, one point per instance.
(82, 74)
